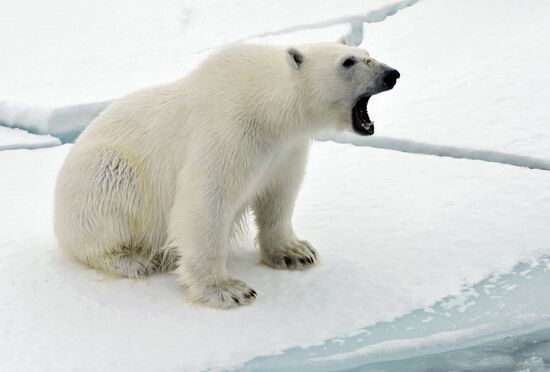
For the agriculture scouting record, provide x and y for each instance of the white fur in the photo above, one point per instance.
(158, 180)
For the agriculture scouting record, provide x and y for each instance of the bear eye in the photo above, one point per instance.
(349, 62)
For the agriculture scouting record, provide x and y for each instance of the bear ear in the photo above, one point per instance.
(295, 58)
(342, 40)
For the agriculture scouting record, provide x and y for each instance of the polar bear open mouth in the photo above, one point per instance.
(360, 117)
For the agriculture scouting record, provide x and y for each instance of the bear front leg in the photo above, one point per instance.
(279, 246)
(199, 228)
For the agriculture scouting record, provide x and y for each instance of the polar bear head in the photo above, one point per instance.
(338, 81)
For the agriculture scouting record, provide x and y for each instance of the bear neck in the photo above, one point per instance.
(280, 103)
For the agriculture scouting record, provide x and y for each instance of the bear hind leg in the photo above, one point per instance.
(133, 264)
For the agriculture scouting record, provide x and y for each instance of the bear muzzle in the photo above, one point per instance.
(362, 124)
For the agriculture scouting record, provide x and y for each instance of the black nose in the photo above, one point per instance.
(391, 78)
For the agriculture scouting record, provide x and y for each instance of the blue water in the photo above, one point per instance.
(508, 317)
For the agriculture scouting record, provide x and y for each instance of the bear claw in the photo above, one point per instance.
(296, 255)
(225, 294)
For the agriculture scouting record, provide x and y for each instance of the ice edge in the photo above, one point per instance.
(423, 148)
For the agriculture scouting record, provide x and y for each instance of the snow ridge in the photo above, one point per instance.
(30, 146)
(415, 147)
(355, 20)
(12, 138)
(355, 37)
(65, 123)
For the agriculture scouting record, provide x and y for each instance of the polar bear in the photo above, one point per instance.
(160, 179)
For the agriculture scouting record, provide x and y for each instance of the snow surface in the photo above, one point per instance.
(395, 231)
(474, 75)
(12, 138)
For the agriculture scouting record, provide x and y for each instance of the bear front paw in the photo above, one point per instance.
(225, 294)
(296, 255)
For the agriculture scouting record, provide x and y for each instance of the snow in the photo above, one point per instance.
(13, 138)
(474, 76)
(395, 231)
